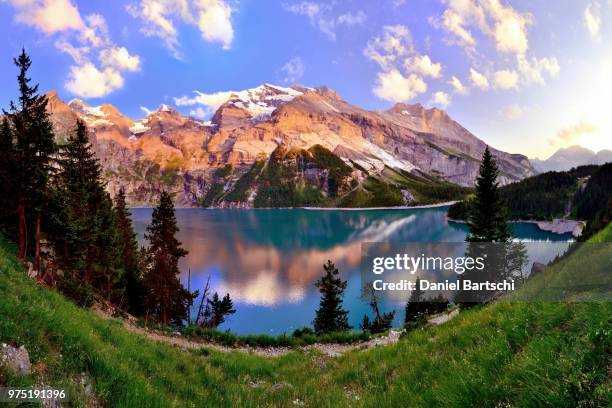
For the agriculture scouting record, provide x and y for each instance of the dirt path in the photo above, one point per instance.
(329, 349)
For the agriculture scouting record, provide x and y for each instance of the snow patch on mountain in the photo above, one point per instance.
(387, 158)
(139, 127)
(260, 102)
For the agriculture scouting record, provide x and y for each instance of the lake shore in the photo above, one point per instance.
(403, 207)
(556, 226)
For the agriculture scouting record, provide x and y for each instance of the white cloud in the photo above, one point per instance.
(120, 59)
(507, 28)
(456, 24)
(49, 16)
(305, 8)
(424, 66)
(459, 88)
(199, 112)
(212, 17)
(78, 54)
(211, 101)
(293, 70)
(392, 47)
(502, 23)
(88, 81)
(156, 15)
(98, 63)
(512, 112)
(350, 19)
(510, 28)
(146, 110)
(215, 21)
(393, 86)
(441, 99)
(95, 31)
(505, 79)
(570, 135)
(533, 70)
(479, 80)
(592, 19)
(403, 69)
(321, 16)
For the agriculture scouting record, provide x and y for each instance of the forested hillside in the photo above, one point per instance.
(318, 177)
(583, 193)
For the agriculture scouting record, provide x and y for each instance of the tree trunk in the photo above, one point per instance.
(37, 243)
(190, 301)
(22, 238)
(204, 297)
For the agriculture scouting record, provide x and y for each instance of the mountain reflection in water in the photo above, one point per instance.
(268, 260)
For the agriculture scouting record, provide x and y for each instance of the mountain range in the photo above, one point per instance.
(566, 158)
(309, 140)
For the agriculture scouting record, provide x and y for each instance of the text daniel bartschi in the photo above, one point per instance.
(404, 284)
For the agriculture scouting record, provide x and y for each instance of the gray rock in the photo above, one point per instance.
(280, 386)
(536, 268)
(16, 359)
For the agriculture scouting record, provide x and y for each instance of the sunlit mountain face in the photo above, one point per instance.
(524, 77)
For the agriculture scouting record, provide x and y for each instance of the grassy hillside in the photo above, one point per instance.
(506, 354)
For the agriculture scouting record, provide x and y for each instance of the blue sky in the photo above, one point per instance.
(525, 76)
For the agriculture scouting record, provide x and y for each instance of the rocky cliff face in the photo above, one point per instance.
(168, 151)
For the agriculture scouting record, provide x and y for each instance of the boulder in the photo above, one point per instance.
(16, 359)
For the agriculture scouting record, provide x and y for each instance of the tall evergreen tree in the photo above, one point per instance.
(330, 316)
(34, 147)
(8, 201)
(84, 233)
(488, 223)
(130, 257)
(488, 219)
(167, 300)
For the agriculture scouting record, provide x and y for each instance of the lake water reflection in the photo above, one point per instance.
(268, 260)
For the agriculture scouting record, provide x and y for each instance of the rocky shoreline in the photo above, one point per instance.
(559, 226)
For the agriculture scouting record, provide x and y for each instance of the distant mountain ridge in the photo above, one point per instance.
(166, 150)
(570, 157)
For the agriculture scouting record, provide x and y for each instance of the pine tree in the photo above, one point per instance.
(83, 225)
(487, 218)
(217, 309)
(34, 148)
(8, 201)
(167, 300)
(488, 223)
(130, 257)
(330, 317)
(382, 321)
(419, 307)
(414, 307)
(108, 274)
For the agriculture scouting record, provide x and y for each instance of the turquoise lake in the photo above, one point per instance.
(268, 260)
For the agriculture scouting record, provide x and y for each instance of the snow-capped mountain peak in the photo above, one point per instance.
(258, 103)
(261, 101)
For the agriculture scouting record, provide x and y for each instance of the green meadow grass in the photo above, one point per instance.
(505, 354)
